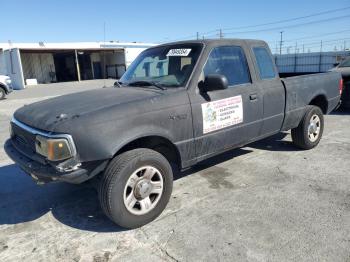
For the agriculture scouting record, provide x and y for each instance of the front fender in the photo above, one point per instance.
(141, 132)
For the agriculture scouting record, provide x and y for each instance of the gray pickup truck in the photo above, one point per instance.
(176, 105)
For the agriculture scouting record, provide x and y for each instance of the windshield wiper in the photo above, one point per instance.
(146, 83)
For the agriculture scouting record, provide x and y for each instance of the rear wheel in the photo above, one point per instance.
(309, 132)
(2, 93)
(136, 187)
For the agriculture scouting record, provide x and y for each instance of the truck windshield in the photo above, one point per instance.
(345, 63)
(166, 66)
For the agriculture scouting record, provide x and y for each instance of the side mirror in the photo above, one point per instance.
(214, 82)
(336, 64)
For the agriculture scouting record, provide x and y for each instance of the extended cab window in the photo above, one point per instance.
(229, 61)
(265, 64)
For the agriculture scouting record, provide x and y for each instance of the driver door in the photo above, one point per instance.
(223, 119)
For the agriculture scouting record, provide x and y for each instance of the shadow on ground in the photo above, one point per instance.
(77, 206)
(341, 111)
(22, 200)
(275, 143)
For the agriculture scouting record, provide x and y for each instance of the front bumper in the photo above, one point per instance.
(45, 173)
(9, 88)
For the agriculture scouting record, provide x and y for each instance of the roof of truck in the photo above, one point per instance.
(219, 41)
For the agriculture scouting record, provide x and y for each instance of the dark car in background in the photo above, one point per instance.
(344, 69)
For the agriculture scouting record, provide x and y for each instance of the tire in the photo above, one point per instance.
(115, 190)
(2, 93)
(308, 135)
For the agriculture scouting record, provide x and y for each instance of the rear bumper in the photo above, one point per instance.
(45, 173)
(333, 104)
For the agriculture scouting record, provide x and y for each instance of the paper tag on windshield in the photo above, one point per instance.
(179, 52)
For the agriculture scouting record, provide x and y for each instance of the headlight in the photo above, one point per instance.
(8, 81)
(54, 149)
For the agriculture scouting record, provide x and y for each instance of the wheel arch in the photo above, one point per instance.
(159, 143)
(3, 87)
(320, 100)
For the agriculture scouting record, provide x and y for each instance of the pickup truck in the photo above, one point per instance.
(5, 86)
(176, 105)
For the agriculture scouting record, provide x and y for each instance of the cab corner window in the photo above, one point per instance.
(264, 62)
(229, 61)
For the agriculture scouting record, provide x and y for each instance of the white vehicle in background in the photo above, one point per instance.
(5, 86)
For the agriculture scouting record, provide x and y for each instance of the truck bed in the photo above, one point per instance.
(303, 90)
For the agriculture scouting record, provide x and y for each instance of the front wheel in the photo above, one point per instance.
(136, 187)
(309, 132)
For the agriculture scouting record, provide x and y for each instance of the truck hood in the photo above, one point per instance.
(3, 78)
(45, 115)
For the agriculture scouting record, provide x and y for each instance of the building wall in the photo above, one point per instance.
(3, 69)
(38, 66)
(309, 62)
(14, 67)
(39, 62)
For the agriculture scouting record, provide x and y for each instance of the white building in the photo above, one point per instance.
(28, 63)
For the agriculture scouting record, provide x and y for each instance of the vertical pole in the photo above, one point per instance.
(220, 33)
(320, 61)
(295, 57)
(104, 54)
(197, 36)
(344, 45)
(303, 48)
(281, 42)
(77, 64)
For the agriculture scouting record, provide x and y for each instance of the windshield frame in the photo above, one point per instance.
(178, 45)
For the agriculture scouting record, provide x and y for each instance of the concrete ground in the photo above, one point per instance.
(265, 202)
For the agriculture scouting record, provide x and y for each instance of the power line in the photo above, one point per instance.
(290, 19)
(313, 43)
(316, 36)
(317, 44)
(290, 26)
(213, 33)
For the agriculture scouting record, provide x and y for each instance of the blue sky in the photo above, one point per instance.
(161, 21)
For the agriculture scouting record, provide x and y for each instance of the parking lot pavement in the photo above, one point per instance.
(265, 202)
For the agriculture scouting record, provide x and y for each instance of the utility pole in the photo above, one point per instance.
(295, 57)
(320, 61)
(197, 36)
(344, 45)
(303, 48)
(221, 35)
(281, 42)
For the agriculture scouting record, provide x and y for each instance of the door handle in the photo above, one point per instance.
(253, 97)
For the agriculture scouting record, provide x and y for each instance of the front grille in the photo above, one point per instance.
(23, 139)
